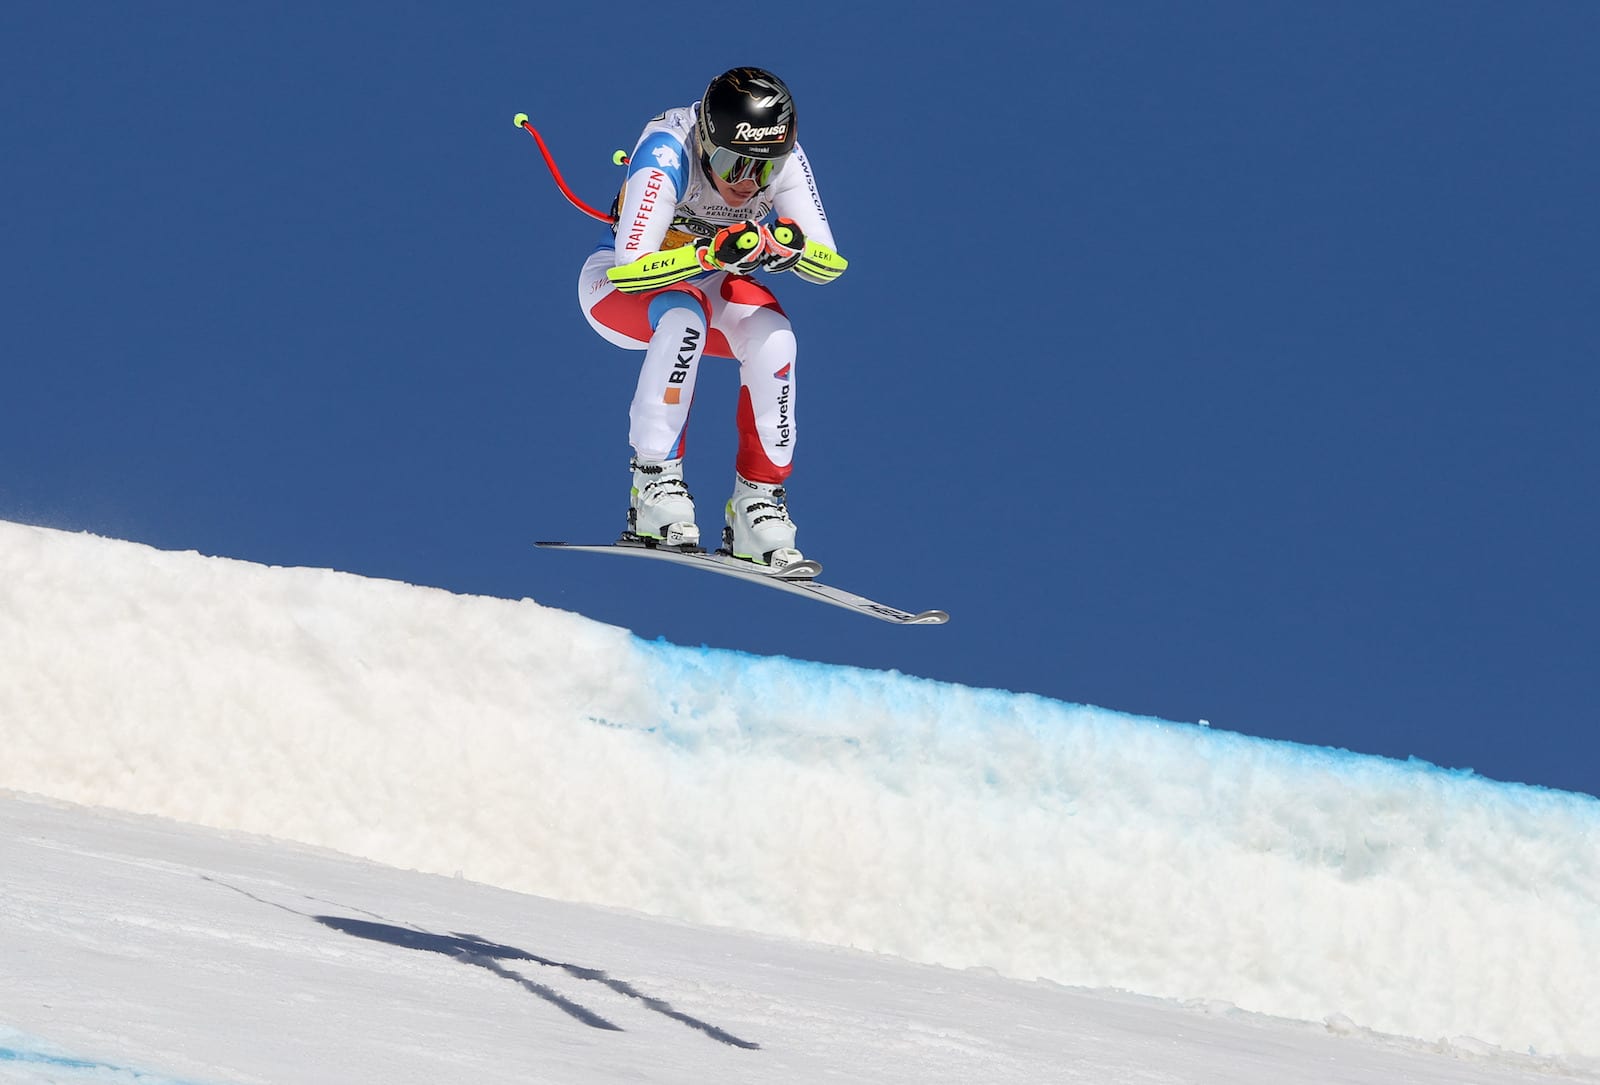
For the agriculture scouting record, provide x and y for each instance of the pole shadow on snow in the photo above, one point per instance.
(469, 949)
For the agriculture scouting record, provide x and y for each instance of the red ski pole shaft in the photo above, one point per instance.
(521, 121)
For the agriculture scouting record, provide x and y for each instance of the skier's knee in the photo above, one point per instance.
(691, 301)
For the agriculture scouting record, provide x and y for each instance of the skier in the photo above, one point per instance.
(715, 191)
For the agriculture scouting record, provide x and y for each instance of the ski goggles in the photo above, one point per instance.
(734, 167)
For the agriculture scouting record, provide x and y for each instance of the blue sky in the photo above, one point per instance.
(1230, 361)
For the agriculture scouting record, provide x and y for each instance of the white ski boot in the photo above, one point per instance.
(759, 528)
(661, 507)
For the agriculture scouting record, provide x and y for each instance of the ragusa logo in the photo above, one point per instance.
(745, 132)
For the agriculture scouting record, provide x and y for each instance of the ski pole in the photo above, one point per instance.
(521, 121)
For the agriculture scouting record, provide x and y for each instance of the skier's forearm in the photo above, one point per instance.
(819, 263)
(656, 270)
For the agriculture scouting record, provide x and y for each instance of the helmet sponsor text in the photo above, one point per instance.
(745, 132)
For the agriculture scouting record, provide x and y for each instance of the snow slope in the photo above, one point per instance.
(143, 952)
(534, 750)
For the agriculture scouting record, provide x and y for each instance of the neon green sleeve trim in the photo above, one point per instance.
(821, 263)
(657, 269)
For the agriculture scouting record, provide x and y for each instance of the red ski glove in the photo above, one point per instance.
(736, 249)
(784, 244)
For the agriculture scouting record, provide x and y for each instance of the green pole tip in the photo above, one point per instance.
(520, 119)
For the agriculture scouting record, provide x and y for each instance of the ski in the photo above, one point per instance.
(799, 578)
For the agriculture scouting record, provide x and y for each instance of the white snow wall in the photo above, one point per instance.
(534, 749)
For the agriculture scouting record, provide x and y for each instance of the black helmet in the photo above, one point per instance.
(746, 126)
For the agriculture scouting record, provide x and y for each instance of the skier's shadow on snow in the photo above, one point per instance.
(476, 951)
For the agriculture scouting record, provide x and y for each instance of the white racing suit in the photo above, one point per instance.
(669, 201)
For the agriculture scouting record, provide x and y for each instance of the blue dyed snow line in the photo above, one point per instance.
(695, 681)
(35, 1053)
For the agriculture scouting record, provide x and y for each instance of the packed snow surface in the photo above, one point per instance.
(530, 749)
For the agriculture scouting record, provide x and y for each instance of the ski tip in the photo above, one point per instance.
(930, 617)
